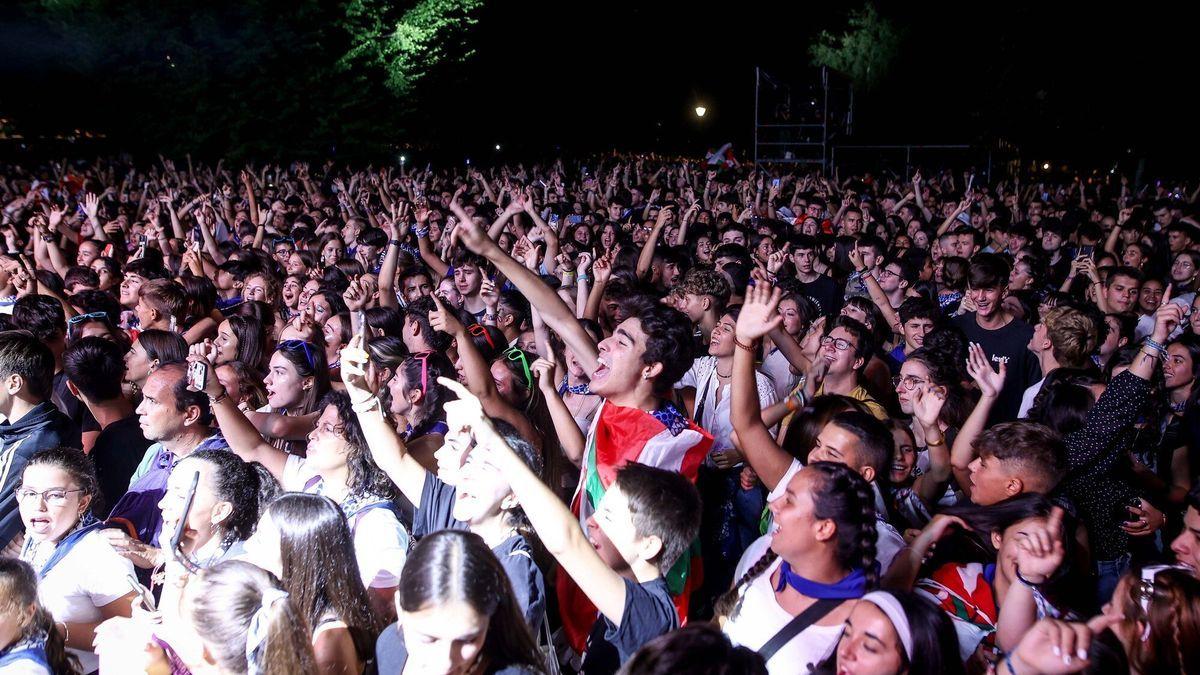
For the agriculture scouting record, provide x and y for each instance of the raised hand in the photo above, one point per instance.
(1040, 548)
(444, 319)
(353, 359)
(471, 235)
(927, 405)
(355, 296)
(1167, 318)
(990, 382)
(1054, 647)
(760, 313)
(543, 370)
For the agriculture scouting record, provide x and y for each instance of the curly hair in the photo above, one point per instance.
(248, 486)
(365, 475)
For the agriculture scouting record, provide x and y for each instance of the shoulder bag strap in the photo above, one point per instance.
(808, 617)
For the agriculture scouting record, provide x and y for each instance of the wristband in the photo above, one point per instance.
(214, 400)
(1155, 346)
(752, 347)
(421, 233)
(366, 405)
(930, 444)
(795, 402)
(395, 242)
(1024, 581)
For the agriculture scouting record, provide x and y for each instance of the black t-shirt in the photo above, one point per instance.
(825, 292)
(648, 613)
(516, 556)
(1010, 344)
(391, 655)
(116, 454)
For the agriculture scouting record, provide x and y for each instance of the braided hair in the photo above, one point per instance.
(845, 498)
(841, 495)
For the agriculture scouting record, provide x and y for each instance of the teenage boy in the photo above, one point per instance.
(31, 422)
(918, 317)
(815, 285)
(1064, 338)
(845, 349)
(703, 295)
(95, 368)
(1004, 337)
(646, 520)
(648, 352)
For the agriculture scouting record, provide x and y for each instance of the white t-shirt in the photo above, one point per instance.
(715, 414)
(779, 369)
(91, 576)
(760, 618)
(888, 542)
(1028, 397)
(380, 541)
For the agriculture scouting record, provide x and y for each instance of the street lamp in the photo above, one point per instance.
(700, 111)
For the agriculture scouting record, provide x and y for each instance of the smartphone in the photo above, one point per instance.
(145, 596)
(141, 240)
(107, 251)
(197, 376)
(775, 183)
(1086, 251)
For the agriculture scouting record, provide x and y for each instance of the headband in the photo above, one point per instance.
(889, 605)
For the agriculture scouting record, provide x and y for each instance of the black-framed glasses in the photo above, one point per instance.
(838, 343)
(293, 345)
(908, 381)
(885, 272)
(52, 497)
(517, 355)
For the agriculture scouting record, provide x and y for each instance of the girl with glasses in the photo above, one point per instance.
(81, 578)
(338, 465)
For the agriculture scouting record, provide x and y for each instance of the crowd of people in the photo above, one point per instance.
(626, 414)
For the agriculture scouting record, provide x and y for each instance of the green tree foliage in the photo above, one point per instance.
(255, 77)
(863, 52)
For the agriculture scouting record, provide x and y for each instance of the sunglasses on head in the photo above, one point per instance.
(516, 354)
(478, 329)
(292, 345)
(423, 357)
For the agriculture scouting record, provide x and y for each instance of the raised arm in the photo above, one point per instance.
(388, 451)
(570, 437)
(556, 527)
(990, 383)
(927, 406)
(244, 440)
(646, 258)
(757, 445)
(554, 311)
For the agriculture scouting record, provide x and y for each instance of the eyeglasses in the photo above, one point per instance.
(479, 330)
(838, 343)
(885, 272)
(52, 497)
(908, 381)
(423, 357)
(293, 345)
(515, 354)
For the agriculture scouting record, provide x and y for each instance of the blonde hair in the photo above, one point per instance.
(1072, 336)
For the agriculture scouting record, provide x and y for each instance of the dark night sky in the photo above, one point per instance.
(1057, 79)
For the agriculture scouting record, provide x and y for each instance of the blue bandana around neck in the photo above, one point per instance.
(578, 389)
(853, 586)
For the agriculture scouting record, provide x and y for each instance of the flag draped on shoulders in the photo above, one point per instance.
(665, 439)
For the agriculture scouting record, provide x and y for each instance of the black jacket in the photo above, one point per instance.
(41, 428)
